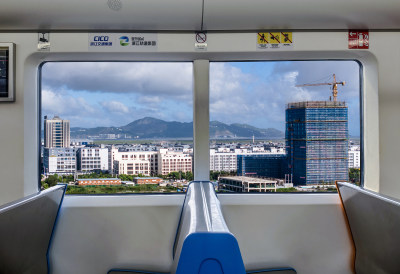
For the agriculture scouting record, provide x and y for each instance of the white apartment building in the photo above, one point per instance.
(56, 132)
(132, 167)
(59, 160)
(149, 162)
(354, 157)
(133, 158)
(169, 161)
(223, 161)
(91, 159)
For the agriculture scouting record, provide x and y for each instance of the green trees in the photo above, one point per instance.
(95, 175)
(178, 175)
(355, 176)
(215, 174)
(290, 189)
(125, 177)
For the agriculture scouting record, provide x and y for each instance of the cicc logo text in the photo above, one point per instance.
(124, 41)
(101, 41)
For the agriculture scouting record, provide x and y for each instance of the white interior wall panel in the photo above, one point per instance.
(96, 234)
(187, 15)
(294, 14)
(92, 15)
(305, 231)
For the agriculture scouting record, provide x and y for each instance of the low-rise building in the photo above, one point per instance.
(98, 182)
(147, 180)
(246, 184)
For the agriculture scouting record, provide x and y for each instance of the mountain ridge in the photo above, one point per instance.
(149, 127)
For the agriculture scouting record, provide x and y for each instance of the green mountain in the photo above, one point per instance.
(155, 128)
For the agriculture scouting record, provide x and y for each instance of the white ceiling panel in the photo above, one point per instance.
(301, 14)
(100, 14)
(186, 15)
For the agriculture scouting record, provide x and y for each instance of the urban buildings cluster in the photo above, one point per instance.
(316, 150)
(60, 157)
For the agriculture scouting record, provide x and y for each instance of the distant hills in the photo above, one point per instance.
(155, 128)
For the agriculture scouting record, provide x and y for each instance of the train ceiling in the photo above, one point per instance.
(195, 15)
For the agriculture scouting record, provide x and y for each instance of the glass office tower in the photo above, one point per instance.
(317, 142)
(264, 165)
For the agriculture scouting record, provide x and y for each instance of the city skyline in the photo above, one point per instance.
(79, 93)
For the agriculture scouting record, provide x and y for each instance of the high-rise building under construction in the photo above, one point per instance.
(317, 142)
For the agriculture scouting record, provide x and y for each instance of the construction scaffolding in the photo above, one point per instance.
(317, 142)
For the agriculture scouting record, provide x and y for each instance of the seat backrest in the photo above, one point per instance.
(203, 242)
(26, 229)
(374, 222)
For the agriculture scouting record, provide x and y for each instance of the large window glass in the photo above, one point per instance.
(284, 126)
(117, 127)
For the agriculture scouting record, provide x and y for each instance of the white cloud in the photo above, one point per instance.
(115, 107)
(61, 104)
(162, 79)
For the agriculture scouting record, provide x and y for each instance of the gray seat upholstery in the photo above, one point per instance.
(374, 222)
(26, 229)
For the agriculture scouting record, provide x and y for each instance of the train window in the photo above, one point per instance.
(117, 127)
(287, 126)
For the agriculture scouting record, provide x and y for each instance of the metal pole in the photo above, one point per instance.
(201, 120)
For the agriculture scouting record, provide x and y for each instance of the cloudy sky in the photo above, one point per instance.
(255, 93)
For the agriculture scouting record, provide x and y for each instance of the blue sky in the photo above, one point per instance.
(115, 94)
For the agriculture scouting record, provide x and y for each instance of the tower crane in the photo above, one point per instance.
(334, 85)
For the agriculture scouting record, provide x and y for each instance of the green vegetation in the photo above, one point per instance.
(52, 180)
(177, 175)
(289, 189)
(355, 176)
(215, 174)
(147, 188)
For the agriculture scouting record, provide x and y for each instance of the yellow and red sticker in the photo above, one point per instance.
(274, 40)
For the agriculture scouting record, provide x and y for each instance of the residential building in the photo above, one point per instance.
(56, 132)
(90, 159)
(223, 161)
(132, 167)
(144, 161)
(59, 160)
(246, 184)
(317, 142)
(163, 161)
(169, 161)
(354, 157)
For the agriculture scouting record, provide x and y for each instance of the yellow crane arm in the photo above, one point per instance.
(321, 84)
(333, 84)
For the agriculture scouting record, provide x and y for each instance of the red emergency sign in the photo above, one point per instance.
(358, 39)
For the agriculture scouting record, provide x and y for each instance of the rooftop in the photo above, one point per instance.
(248, 179)
(99, 179)
(316, 104)
(138, 178)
